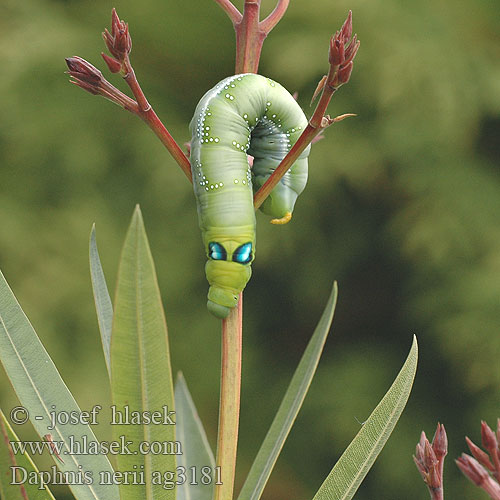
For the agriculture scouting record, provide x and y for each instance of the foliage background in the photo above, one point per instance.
(401, 208)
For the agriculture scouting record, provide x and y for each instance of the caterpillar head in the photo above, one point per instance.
(228, 271)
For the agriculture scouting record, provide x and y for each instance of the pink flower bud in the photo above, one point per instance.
(429, 459)
(489, 439)
(472, 469)
(480, 455)
(440, 442)
(346, 30)
(113, 64)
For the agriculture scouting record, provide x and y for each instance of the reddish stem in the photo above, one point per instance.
(316, 125)
(249, 39)
(436, 494)
(89, 78)
(496, 463)
(229, 406)
(233, 13)
(303, 141)
(250, 32)
(147, 113)
(274, 18)
(338, 74)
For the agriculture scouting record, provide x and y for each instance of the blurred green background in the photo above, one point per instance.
(402, 208)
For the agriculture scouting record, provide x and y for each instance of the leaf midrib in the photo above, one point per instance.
(142, 365)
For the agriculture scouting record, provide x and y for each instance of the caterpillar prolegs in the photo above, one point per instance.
(243, 114)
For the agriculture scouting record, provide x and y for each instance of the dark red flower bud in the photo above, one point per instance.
(123, 40)
(115, 22)
(83, 71)
(341, 54)
(113, 64)
(352, 49)
(337, 51)
(346, 30)
(118, 41)
(109, 40)
(344, 74)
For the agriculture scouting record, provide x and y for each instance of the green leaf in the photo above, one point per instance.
(357, 459)
(196, 451)
(41, 390)
(141, 378)
(273, 443)
(103, 305)
(26, 469)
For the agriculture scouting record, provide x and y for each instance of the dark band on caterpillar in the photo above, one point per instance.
(243, 114)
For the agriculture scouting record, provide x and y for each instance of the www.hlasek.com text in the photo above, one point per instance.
(86, 446)
(167, 479)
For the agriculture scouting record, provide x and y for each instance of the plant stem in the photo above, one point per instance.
(436, 494)
(249, 39)
(147, 113)
(274, 18)
(250, 36)
(316, 124)
(233, 13)
(229, 406)
(90, 79)
(250, 32)
(303, 141)
(310, 132)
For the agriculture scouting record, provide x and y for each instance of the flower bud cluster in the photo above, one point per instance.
(119, 43)
(429, 459)
(483, 468)
(342, 52)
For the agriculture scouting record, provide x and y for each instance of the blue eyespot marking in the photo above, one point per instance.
(216, 251)
(243, 254)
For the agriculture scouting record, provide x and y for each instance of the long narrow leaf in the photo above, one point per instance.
(347, 474)
(273, 443)
(196, 455)
(141, 378)
(10, 477)
(41, 390)
(103, 305)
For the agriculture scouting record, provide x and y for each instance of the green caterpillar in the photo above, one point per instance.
(243, 114)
